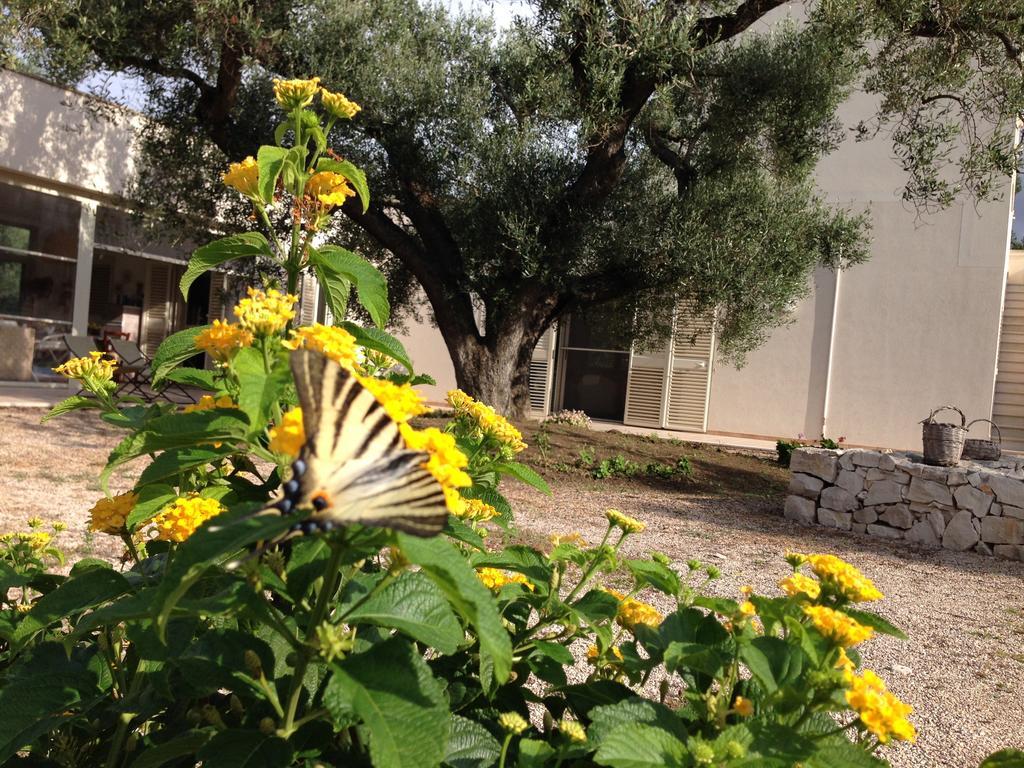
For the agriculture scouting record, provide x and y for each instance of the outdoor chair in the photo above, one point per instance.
(79, 346)
(137, 373)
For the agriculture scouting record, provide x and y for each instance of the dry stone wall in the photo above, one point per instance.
(976, 505)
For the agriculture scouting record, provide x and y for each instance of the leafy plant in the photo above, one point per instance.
(571, 418)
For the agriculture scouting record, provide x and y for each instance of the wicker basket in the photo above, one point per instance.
(983, 450)
(943, 443)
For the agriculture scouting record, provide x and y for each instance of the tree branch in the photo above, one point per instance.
(714, 29)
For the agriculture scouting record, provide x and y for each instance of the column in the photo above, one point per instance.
(83, 268)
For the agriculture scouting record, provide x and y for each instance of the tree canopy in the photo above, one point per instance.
(632, 152)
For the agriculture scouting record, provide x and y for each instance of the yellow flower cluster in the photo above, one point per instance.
(244, 177)
(295, 94)
(329, 188)
(222, 339)
(288, 436)
(401, 401)
(36, 540)
(93, 371)
(881, 712)
(575, 537)
(329, 340)
(180, 519)
(495, 579)
(208, 403)
(338, 105)
(573, 730)
(108, 515)
(843, 579)
(593, 653)
(841, 629)
(743, 707)
(512, 722)
(446, 462)
(625, 522)
(265, 312)
(487, 420)
(478, 511)
(798, 584)
(748, 609)
(634, 612)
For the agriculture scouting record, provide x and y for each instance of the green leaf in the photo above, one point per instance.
(173, 351)
(534, 753)
(635, 745)
(200, 378)
(876, 622)
(351, 172)
(401, 704)
(10, 578)
(242, 246)
(470, 598)
(270, 161)
(73, 403)
(239, 748)
(772, 661)
(370, 285)
(659, 576)
(414, 605)
(380, 341)
(604, 720)
(1004, 758)
(597, 605)
(170, 464)
(93, 587)
(470, 745)
(336, 286)
(523, 474)
(184, 744)
(152, 498)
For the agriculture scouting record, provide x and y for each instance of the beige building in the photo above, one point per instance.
(71, 258)
(869, 353)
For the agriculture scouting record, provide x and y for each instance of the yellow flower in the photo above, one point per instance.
(401, 401)
(837, 626)
(593, 653)
(478, 511)
(329, 189)
(244, 177)
(330, 340)
(207, 403)
(575, 537)
(36, 540)
(747, 609)
(94, 372)
(512, 722)
(289, 436)
(634, 612)
(179, 520)
(746, 590)
(338, 105)
(495, 579)
(843, 579)
(222, 339)
(446, 462)
(488, 422)
(573, 730)
(295, 94)
(108, 515)
(798, 584)
(743, 707)
(265, 312)
(625, 522)
(880, 711)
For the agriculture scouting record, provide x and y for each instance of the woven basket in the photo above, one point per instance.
(983, 450)
(943, 443)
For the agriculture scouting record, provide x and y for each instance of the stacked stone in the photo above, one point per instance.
(976, 505)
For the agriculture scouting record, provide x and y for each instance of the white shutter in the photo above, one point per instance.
(156, 306)
(215, 308)
(307, 300)
(689, 379)
(645, 387)
(542, 368)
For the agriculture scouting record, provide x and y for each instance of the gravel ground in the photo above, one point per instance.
(962, 669)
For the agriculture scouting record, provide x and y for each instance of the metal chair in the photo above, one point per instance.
(138, 373)
(79, 346)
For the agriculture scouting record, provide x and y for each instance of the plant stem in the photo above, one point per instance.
(114, 757)
(590, 569)
(331, 578)
(504, 750)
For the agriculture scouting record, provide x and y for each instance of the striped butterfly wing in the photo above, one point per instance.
(358, 469)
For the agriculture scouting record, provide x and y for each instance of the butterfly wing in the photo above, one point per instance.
(358, 469)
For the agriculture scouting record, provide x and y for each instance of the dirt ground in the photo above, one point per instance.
(962, 669)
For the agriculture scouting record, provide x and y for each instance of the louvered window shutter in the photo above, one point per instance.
(156, 306)
(645, 387)
(542, 367)
(693, 343)
(215, 309)
(307, 300)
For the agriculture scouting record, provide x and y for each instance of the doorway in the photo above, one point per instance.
(593, 364)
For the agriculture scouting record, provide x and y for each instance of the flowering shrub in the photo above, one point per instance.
(219, 642)
(571, 418)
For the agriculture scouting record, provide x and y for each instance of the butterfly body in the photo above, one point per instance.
(354, 466)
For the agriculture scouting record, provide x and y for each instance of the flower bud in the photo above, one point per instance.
(512, 722)
(267, 726)
(253, 663)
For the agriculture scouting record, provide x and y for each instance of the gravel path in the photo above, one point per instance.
(962, 669)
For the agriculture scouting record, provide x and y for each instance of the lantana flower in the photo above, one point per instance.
(108, 515)
(338, 105)
(329, 340)
(265, 313)
(180, 519)
(244, 177)
(223, 339)
(289, 435)
(295, 94)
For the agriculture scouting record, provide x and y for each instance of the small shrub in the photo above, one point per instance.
(683, 467)
(586, 457)
(660, 471)
(617, 466)
(784, 449)
(576, 419)
(543, 442)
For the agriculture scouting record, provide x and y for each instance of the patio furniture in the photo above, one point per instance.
(79, 346)
(138, 374)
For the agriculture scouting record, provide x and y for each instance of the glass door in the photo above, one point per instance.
(593, 359)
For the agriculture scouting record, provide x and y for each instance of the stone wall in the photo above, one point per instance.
(976, 505)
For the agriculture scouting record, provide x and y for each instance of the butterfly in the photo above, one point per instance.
(354, 466)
